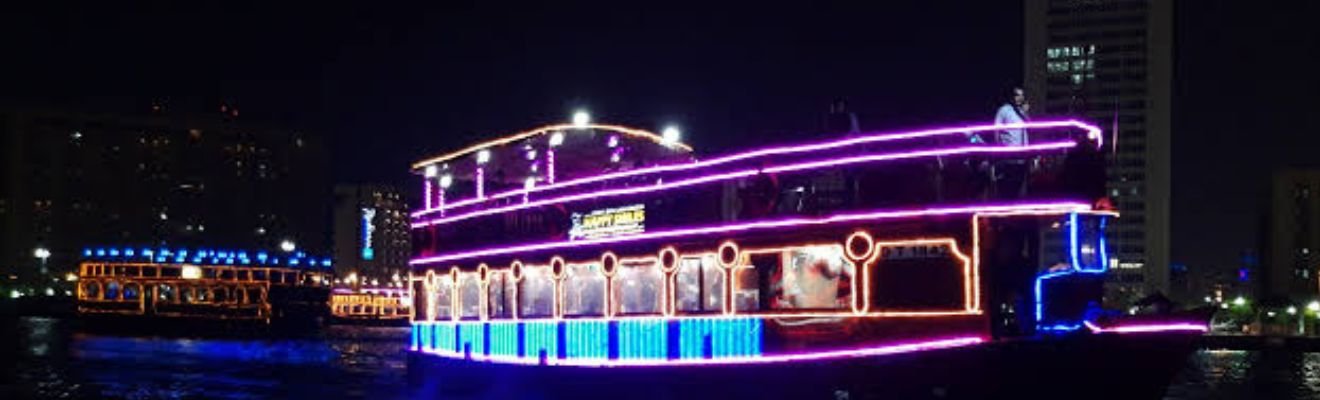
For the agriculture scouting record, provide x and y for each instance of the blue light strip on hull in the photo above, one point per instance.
(641, 339)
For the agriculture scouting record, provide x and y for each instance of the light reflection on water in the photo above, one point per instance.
(52, 361)
(49, 360)
(1236, 374)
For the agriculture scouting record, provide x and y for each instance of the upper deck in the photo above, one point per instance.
(922, 168)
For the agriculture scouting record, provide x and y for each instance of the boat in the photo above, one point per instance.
(592, 259)
(384, 306)
(158, 290)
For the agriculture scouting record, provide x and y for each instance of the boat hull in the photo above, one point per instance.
(1080, 366)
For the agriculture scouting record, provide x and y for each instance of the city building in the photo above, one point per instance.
(1109, 62)
(155, 178)
(1292, 267)
(371, 235)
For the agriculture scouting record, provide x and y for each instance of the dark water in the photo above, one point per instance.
(46, 358)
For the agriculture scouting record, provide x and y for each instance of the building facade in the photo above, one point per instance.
(1110, 62)
(371, 235)
(73, 180)
(1292, 266)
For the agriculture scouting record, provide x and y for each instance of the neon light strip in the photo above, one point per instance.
(426, 193)
(771, 224)
(551, 128)
(897, 348)
(589, 195)
(734, 175)
(1149, 328)
(1092, 131)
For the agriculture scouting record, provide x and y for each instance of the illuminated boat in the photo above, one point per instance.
(879, 263)
(153, 287)
(371, 306)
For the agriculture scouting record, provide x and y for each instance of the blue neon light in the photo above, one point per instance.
(201, 255)
(586, 339)
(540, 337)
(471, 337)
(1074, 251)
(114, 252)
(643, 339)
(87, 252)
(503, 338)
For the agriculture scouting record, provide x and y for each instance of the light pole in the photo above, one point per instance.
(42, 253)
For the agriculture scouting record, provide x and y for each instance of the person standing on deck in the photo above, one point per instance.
(1010, 175)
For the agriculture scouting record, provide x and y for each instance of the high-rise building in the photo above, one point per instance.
(1110, 62)
(1292, 266)
(372, 242)
(72, 180)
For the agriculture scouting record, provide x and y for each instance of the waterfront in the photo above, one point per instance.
(49, 359)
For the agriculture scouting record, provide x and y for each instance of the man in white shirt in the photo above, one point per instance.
(1010, 175)
(1013, 113)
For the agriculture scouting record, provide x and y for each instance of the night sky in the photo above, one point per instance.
(387, 86)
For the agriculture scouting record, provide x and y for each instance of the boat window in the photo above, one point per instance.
(259, 275)
(638, 287)
(149, 271)
(700, 285)
(165, 293)
(440, 299)
(203, 295)
(221, 295)
(227, 274)
(244, 275)
(748, 278)
(133, 271)
(584, 290)
(917, 278)
(131, 291)
(112, 291)
(276, 276)
(91, 290)
(187, 294)
(170, 272)
(536, 292)
(811, 278)
(469, 299)
(498, 298)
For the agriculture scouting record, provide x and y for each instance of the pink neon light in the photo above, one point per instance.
(740, 174)
(919, 154)
(1149, 328)
(426, 193)
(1092, 132)
(771, 224)
(591, 195)
(892, 349)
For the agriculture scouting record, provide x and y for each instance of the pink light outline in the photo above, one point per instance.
(1092, 132)
(740, 174)
(1149, 328)
(860, 352)
(768, 224)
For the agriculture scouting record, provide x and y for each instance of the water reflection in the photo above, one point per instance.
(47, 358)
(52, 361)
(1233, 374)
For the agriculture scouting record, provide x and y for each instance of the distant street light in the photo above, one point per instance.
(288, 246)
(1292, 310)
(1240, 301)
(42, 253)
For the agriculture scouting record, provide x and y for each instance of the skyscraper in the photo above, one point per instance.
(1294, 236)
(1110, 62)
(372, 242)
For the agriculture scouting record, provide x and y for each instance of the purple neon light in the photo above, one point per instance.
(426, 190)
(549, 166)
(743, 173)
(861, 352)
(918, 154)
(770, 224)
(1149, 328)
(481, 183)
(1092, 132)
